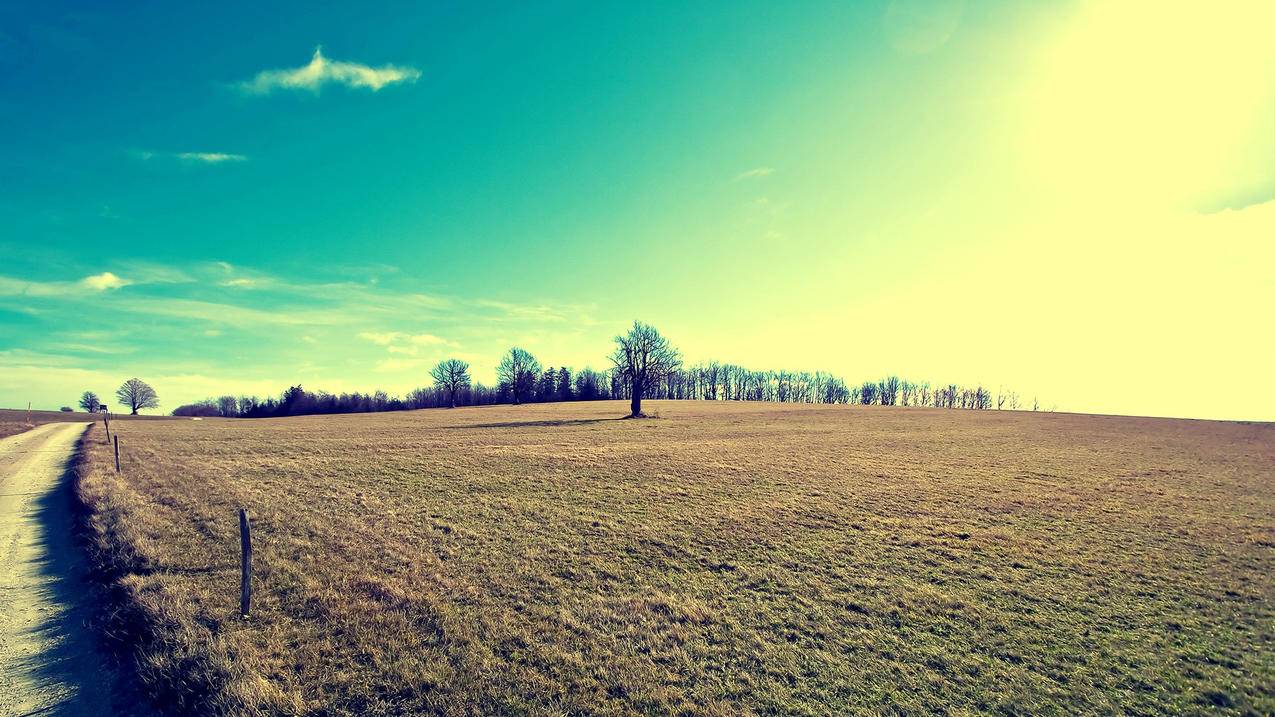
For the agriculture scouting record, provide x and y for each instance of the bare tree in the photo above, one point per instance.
(451, 375)
(518, 370)
(137, 394)
(228, 406)
(643, 357)
(90, 402)
(889, 390)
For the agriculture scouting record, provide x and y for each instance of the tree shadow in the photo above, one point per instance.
(531, 424)
(89, 679)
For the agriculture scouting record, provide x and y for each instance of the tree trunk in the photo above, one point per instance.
(134, 411)
(635, 404)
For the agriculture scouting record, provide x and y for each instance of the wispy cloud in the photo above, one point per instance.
(93, 348)
(398, 342)
(147, 272)
(322, 71)
(196, 319)
(755, 173)
(97, 282)
(192, 157)
(216, 312)
(520, 312)
(211, 157)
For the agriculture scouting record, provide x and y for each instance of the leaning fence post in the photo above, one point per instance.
(106, 422)
(117, 453)
(245, 577)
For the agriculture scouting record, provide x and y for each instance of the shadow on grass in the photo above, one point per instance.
(532, 424)
(90, 677)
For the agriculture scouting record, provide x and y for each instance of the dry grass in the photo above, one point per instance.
(723, 559)
(14, 421)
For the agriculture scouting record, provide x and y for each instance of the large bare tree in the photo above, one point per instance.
(451, 375)
(518, 370)
(137, 394)
(643, 358)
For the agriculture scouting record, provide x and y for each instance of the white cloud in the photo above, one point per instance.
(398, 342)
(104, 281)
(97, 282)
(192, 157)
(211, 157)
(755, 173)
(322, 71)
(380, 338)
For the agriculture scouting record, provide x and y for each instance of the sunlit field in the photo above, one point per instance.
(718, 559)
(14, 421)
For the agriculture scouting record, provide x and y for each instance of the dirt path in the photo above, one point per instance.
(49, 662)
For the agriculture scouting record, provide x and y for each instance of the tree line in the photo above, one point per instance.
(643, 365)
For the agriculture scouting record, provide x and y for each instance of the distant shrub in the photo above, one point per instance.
(202, 409)
(67, 409)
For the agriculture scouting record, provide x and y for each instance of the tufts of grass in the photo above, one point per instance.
(727, 559)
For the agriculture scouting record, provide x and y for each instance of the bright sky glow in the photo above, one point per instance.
(1075, 200)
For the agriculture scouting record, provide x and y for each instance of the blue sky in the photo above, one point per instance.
(1057, 199)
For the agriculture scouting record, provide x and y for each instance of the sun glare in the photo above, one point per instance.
(1160, 103)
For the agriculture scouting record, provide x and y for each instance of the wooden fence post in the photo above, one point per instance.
(106, 422)
(245, 577)
(117, 453)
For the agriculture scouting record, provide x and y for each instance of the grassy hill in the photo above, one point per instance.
(721, 559)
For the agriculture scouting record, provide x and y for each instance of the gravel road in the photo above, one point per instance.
(49, 660)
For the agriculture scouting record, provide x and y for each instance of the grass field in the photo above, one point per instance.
(721, 559)
(14, 421)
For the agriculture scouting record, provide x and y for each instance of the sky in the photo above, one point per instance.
(1072, 200)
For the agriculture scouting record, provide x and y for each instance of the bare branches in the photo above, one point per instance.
(643, 358)
(518, 371)
(137, 394)
(452, 376)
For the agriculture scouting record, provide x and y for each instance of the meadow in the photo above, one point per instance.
(719, 559)
(14, 421)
